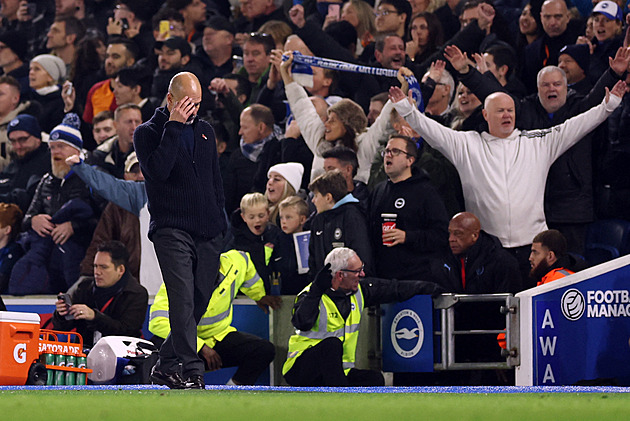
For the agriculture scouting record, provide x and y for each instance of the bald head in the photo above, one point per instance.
(463, 232)
(554, 16)
(499, 112)
(184, 84)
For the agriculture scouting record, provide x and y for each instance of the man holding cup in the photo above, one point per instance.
(408, 220)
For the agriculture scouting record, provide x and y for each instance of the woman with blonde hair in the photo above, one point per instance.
(284, 180)
(278, 30)
(360, 14)
(345, 125)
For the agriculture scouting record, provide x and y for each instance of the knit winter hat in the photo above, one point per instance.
(291, 171)
(55, 66)
(350, 114)
(27, 123)
(580, 53)
(68, 132)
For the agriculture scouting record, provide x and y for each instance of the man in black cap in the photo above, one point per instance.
(173, 57)
(12, 55)
(30, 161)
(216, 54)
(574, 60)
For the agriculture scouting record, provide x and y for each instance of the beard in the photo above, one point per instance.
(539, 270)
(59, 168)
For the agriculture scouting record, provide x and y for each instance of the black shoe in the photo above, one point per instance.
(172, 380)
(195, 381)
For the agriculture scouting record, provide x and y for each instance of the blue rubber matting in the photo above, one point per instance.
(419, 389)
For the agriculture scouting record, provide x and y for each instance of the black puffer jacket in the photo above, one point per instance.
(52, 193)
(19, 179)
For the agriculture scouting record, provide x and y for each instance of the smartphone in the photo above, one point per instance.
(69, 89)
(125, 24)
(334, 10)
(66, 299)
(165, 28)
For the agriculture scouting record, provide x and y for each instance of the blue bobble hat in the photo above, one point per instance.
(68, 132)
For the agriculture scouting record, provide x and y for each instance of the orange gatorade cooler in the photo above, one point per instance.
(19, 346)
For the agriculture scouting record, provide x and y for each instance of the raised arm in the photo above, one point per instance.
(450, 142)
(129, 195)
(560, 138)
(308, 120)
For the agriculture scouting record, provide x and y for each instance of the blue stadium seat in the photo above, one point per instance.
(607, 239)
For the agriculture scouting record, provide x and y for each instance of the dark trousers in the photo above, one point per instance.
(321, 365)
(522, 257)
(189, 267)
(575, 235)
(249, 353)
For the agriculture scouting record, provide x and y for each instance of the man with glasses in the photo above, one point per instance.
(178, 157)
(408, 221)
(30, 161)
(393, 16)
(327, 315)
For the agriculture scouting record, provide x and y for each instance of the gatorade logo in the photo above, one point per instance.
(19, 353)
(572, 304)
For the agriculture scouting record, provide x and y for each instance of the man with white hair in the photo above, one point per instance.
(326, 316)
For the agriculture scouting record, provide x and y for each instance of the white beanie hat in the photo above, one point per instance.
(291, 171)
(55, 66)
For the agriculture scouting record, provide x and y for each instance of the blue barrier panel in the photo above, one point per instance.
(578, 328)
(408, 335)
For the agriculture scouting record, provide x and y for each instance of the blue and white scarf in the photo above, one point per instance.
(303, 74)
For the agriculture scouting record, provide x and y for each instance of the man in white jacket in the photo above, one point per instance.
(503, 172)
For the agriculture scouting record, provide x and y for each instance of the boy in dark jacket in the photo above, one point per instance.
(254, 234)
(339, 222)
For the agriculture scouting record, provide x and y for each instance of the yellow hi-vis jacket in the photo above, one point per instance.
(329, 324)
(236, 272)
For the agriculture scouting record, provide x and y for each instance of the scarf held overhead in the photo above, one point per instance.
(303, 74)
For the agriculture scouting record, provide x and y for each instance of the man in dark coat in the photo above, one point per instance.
(112, 302)
(476, 262)
(30, 161)
(178, 156)
(407, 216)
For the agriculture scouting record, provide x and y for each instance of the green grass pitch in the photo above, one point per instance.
(296, 406)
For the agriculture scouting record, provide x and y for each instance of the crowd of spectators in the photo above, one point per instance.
(330, 153)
